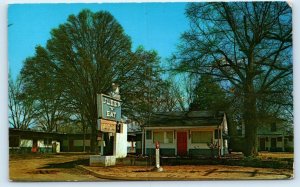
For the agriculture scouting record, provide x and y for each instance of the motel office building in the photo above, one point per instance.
(192, 133)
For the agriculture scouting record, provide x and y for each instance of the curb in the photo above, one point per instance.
(171, 178)
(95, 174)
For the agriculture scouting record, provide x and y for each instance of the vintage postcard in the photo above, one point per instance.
(150, 91)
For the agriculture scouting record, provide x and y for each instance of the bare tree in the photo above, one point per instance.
(247, 45)
(169, 97)
(21, 113)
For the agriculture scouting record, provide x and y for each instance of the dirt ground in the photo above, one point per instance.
(187, 172)
(47, 167)
(62, 167)
(275, 155)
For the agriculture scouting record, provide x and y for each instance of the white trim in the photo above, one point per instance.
(183, 127)
(165, 136)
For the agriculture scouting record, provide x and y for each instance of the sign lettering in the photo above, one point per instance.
(107, 126)
(108, 108)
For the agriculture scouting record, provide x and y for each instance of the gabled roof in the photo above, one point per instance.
(190, 118)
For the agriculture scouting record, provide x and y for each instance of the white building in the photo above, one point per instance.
(275, 137)
(194, 133)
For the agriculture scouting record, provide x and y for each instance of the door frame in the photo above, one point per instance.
(273, 141)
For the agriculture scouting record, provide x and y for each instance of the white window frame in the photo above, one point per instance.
(164, 135)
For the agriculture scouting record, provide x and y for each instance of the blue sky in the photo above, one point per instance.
(156, 26)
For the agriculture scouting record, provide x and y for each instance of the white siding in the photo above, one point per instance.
(150, 144)
(57, 147)
(121, 143)
(225, 126)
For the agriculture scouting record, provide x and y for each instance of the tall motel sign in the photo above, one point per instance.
(109, 122)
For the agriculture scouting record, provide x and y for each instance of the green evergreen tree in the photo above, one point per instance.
(208, 95)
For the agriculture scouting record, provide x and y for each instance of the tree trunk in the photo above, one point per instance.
(232, 127)
(250, 119)
(93, 138)
(84, 132)
(250, 148)
(94, 142)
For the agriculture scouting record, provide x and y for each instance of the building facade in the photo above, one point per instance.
(194, 133)
(26, 141)
(275, 137)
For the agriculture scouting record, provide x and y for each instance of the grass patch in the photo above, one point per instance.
(246, 162)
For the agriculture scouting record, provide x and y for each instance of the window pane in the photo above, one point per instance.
(201, 136)
(148, 135)
(158, 136)
(169, 138)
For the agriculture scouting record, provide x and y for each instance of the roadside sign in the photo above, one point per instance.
(108, 108)
(107, 125)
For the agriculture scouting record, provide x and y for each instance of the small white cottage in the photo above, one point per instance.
(193, 133)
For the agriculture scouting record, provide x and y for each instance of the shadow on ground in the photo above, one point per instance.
(66, 165)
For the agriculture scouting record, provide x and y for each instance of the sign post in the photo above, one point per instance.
(108, 124)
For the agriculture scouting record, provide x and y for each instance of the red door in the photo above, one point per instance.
(181, 143)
